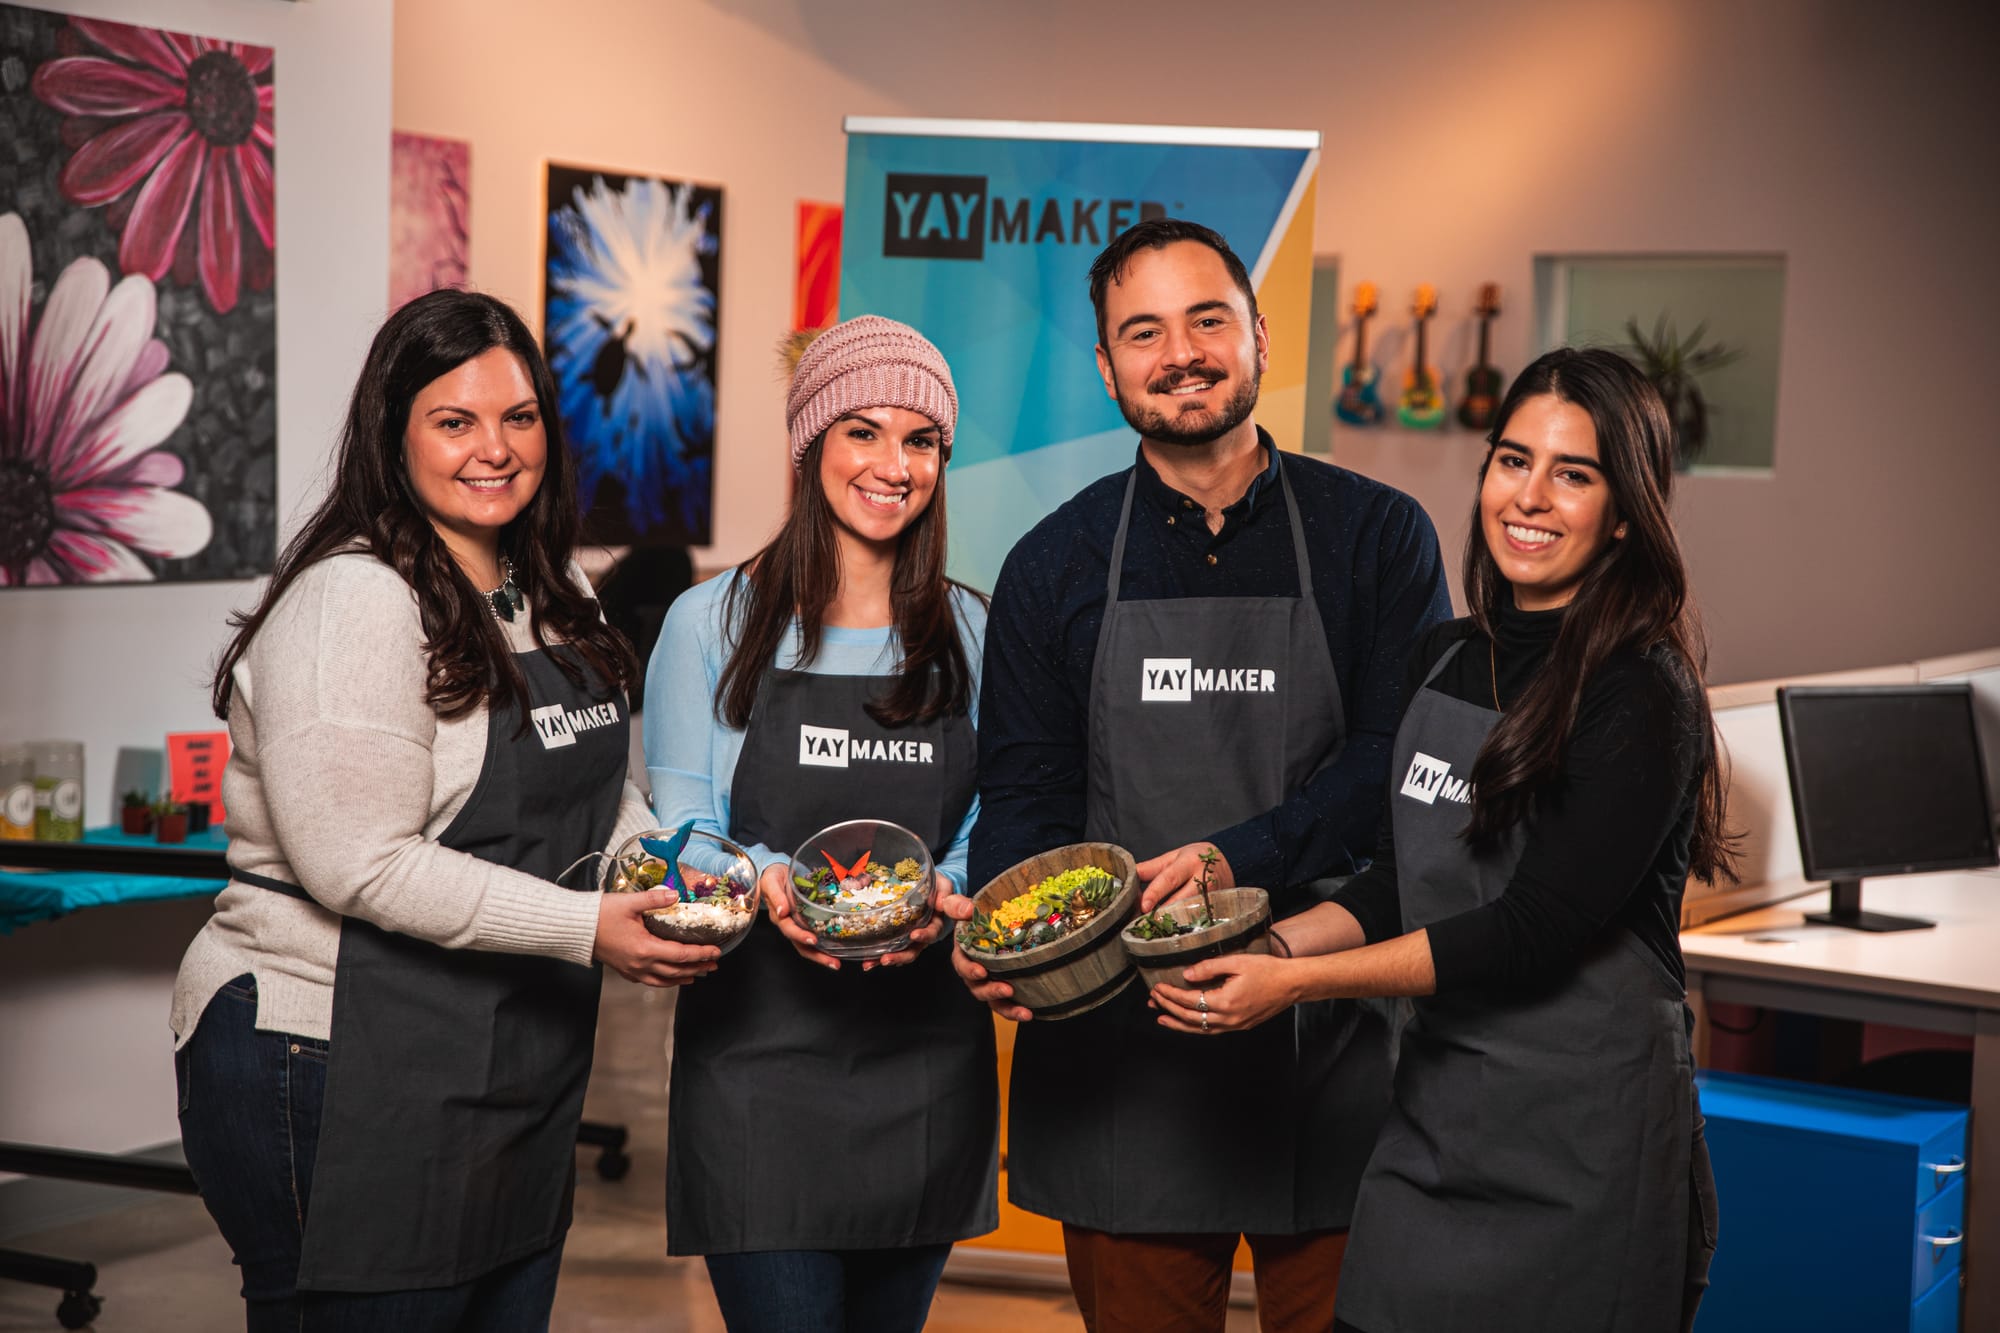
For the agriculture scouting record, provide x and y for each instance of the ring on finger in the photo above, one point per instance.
(1204, 1022)
(1201, 1002)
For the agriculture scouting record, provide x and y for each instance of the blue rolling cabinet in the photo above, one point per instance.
(1840, 1210)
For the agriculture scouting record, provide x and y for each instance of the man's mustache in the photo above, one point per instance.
(1168, 383)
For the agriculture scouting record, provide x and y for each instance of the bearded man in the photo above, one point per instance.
(1202, 653)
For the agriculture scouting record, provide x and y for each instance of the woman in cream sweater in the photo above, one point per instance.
(383, 1034)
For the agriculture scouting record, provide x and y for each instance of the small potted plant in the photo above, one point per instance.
(170, 819)
(1675, 365)
(1048, 927)
(135, 813)
(1163, 942)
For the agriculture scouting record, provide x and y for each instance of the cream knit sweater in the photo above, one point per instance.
(340, 779)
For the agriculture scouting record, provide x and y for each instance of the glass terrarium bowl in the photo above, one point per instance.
(861, 887)
(717, 882)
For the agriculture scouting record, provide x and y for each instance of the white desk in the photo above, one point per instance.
(1942, 980)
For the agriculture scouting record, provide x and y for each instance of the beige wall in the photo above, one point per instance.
(126, 665)
(84, 1044)
(1462, 139)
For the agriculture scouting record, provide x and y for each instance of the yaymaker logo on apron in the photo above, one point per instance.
(832, 747)
(557, 726)
(1178, 680)
(1430, 778)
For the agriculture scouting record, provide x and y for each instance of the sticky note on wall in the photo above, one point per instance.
(195, 760)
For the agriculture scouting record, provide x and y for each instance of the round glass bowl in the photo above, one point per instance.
(717, 882)
(861, 887)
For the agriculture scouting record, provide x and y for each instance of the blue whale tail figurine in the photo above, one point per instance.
(670, 852)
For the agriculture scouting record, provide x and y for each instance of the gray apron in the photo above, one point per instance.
(1533, 1175)
(819, 1110)
(455, 1082)
(1117, 1124)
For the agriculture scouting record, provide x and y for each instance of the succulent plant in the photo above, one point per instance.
(1042, 915)
(1159, 925)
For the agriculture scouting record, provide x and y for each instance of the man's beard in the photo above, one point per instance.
(1191, 428)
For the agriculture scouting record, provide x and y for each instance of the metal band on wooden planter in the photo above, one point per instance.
(1090, 1001)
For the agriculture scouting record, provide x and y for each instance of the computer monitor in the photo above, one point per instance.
(1886, 780)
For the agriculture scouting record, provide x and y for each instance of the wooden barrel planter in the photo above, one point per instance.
(1244, 927)
(1084, 968)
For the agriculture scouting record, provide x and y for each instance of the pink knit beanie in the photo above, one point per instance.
(868, 361)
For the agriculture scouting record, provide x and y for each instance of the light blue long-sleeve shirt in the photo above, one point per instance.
(691, 755)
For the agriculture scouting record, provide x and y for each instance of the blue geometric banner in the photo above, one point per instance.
(981, 235)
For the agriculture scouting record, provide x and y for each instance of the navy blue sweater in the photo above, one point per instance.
(1379, 583)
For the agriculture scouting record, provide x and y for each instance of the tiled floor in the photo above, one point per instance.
(163, 1269)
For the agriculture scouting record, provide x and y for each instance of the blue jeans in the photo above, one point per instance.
(250, 1119)
(827, 1291)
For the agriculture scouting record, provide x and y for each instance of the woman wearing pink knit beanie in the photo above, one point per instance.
(832, 1127)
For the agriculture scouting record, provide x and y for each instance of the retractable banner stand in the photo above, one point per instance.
(981, 233)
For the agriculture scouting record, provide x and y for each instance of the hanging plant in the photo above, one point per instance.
(1675, 366)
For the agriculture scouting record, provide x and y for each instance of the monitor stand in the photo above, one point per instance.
(1847, 912)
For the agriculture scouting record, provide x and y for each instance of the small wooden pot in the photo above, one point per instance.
(1244, 927)
(136, 820)
(1084, 968)
(172, 828)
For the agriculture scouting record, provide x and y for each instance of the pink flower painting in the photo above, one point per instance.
(429, 222)
(173, 136)
(86, 401)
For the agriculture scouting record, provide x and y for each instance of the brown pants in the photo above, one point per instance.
(1180, 1283)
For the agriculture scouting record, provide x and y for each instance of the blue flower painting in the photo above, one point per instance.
(630, 324)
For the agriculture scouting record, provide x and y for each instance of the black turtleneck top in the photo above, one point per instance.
(1607, 844)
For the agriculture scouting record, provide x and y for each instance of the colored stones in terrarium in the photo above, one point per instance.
(862, 886)
(1053, 908)
(873, 899)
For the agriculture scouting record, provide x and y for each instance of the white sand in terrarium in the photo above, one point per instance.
(872, 895)
(706, 916)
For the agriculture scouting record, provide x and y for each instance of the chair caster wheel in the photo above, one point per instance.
(78, 1309)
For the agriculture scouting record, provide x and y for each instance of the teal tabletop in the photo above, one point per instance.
(27, 896)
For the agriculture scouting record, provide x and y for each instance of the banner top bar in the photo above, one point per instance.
(1202, 136)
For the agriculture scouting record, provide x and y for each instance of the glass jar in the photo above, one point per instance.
(58, 790)
(17, 793)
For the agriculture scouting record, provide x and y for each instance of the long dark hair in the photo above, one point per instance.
(1633, 599)
(372, 506)
(798, 575)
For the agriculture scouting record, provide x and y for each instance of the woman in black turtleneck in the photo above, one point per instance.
(1554, 783)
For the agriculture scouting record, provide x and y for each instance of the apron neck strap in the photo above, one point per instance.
(1443, 658)
(1113, 579)
(1298, 528)
(1118, 544)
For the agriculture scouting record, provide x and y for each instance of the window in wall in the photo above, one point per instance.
(1737, 301)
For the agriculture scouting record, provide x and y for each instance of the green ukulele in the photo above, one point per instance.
(1422, 404)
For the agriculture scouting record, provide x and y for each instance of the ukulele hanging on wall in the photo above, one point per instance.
(1482, 382)
(1422, 405)
(1359, 403)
